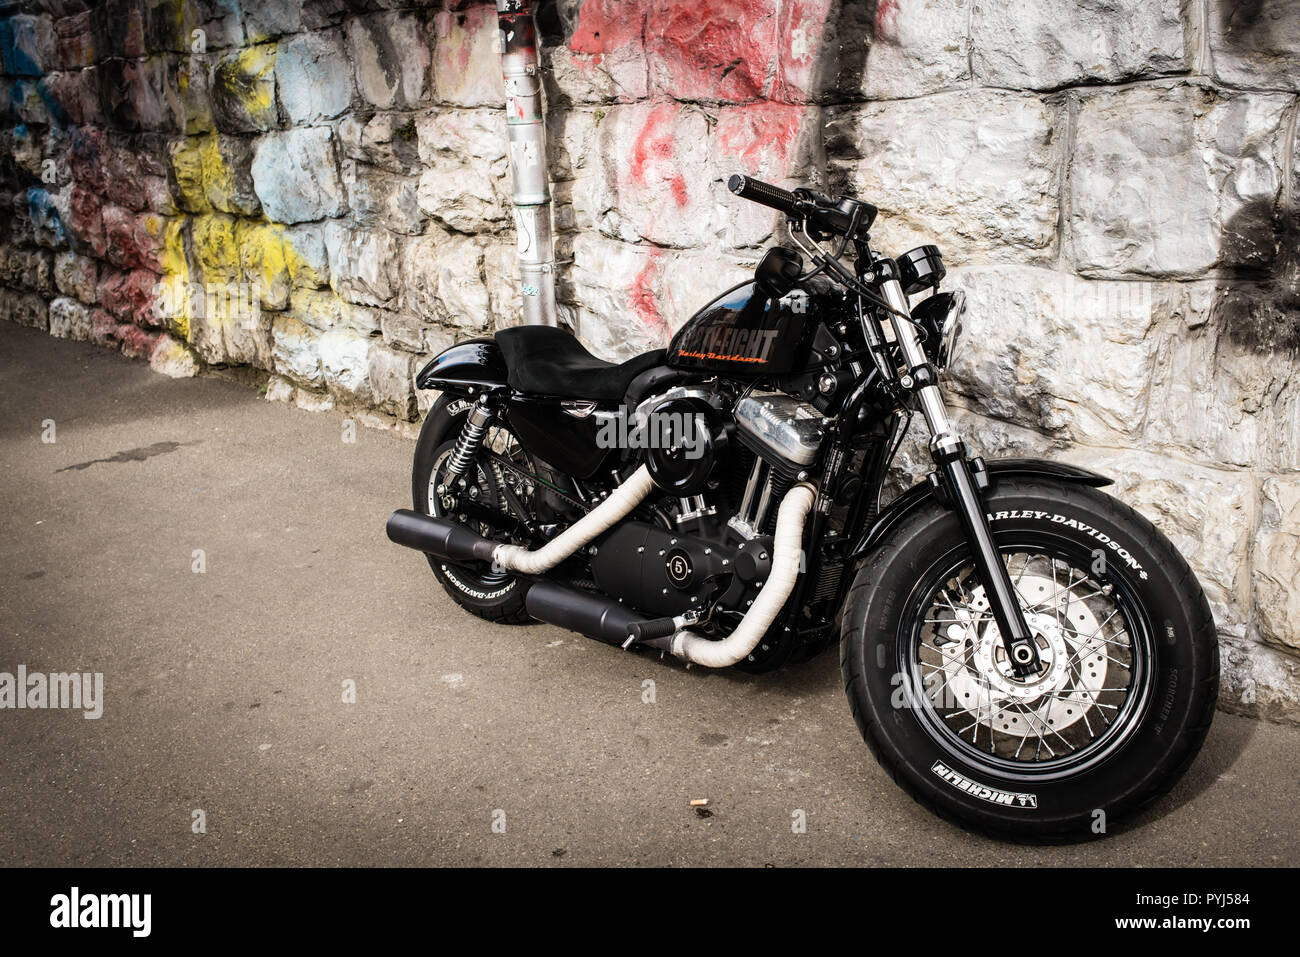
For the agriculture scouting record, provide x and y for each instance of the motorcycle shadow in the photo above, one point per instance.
(1224, 745)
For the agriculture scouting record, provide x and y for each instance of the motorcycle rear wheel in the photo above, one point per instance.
(489, 593)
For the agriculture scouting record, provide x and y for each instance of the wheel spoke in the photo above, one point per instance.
(970, 663)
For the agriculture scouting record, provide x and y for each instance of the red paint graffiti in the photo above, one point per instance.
(801, 25)
(759, 137)
(607, 25)
(456, 32)
(886, 24)
(654, 152)
(642, 296)
(715, 51)
(757, 55)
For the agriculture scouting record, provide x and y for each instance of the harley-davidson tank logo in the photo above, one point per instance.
(728, 344)
(983, 791)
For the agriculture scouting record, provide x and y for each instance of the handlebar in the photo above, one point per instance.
(755, 190)
(822, 212)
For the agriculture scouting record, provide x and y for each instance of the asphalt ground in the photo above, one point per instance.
(224, 690)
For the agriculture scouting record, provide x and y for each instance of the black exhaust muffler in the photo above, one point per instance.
(439, 537)
(592, 615)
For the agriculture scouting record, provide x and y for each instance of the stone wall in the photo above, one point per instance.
(319, 189)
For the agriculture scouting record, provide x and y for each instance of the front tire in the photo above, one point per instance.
(1127, 690)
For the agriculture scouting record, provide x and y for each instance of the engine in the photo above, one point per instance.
(724, 467)
(784, 430)
(785, 436)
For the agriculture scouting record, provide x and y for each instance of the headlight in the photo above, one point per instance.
(951, 331)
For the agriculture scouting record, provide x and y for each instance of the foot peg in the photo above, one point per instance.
(645, 632)
(639, 632)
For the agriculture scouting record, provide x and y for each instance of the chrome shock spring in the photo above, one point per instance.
(469, 440)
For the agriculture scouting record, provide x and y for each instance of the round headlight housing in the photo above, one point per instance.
(940, 317)
(950, 331)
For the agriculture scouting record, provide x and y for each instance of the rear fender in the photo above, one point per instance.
(468, 368)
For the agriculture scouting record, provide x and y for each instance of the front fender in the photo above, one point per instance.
(466, 368)
(921, 493)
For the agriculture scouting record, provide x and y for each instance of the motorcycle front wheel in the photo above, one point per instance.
(1124, 695)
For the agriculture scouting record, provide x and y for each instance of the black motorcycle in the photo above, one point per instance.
(1023, 653)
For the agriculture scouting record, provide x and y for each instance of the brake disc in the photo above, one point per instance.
(978, 677)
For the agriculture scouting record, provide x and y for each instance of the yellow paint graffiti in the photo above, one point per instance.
(251, 78)
(221, 267)
(218, 177)
(268, 260)
(174, 304)
(219, 251)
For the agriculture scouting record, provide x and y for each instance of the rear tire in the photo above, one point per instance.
(1116, 716)
(490, 595)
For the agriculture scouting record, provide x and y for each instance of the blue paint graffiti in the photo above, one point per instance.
(18, 46)
(34, 102)
(45, 216)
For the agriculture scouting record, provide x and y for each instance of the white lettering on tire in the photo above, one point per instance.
(983, 791)
(1123, 553)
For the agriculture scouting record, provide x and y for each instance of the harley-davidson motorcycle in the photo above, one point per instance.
(1024, 654)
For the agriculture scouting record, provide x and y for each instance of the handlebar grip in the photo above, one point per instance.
(755, 190)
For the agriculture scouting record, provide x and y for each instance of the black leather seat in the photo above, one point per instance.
(550, 361)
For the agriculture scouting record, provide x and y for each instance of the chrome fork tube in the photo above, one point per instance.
(931, 399)
(949, 454)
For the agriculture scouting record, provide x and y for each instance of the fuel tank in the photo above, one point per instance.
(747, 332)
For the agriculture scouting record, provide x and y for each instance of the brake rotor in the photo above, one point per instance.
(979, 679)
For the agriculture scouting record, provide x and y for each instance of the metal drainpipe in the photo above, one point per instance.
(532, 195)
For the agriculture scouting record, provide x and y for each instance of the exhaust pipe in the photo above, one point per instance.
(438, 536)
(455, 542)
(787, 551)
(605, 619)
(601, 618)
(599, 520)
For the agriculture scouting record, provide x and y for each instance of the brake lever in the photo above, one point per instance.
(820, 199)
(803, 218)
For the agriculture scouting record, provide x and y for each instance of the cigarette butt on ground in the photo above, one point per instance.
(700, 802)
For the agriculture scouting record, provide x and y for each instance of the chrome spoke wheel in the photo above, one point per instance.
(1093, 648)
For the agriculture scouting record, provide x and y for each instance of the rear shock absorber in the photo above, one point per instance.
(469, 440)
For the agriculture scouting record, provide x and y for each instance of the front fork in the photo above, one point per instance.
(962, 478)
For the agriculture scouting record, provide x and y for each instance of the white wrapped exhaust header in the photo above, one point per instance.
(600, 519)
(787, 553)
